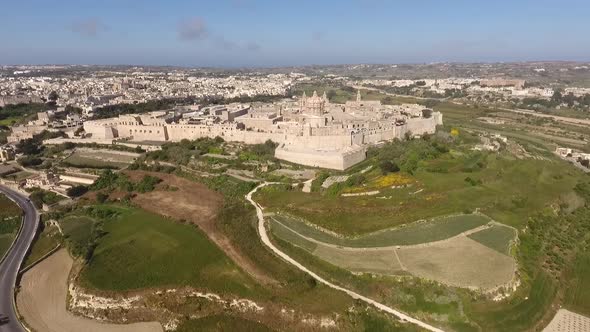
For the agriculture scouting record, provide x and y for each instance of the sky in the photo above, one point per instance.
(270, 33)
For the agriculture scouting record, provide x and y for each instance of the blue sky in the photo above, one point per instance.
(233, 33)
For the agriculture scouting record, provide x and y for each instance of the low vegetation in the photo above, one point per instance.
(10, 221)
(119, 238)
(508, 190)
(40, 196)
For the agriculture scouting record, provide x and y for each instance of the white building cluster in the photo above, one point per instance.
(108, 88)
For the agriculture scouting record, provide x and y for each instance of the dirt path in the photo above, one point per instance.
(42, 301)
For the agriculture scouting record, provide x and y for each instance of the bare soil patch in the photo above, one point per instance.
(459, 262)
(182, 199)
(383, 261)
(42, 301)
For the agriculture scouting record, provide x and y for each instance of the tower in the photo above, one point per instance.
(358, 96)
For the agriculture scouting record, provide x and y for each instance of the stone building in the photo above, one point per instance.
(311, 131)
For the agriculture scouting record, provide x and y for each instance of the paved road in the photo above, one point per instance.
(11, 265)
(266, 240)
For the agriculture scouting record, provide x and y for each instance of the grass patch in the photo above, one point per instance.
(47, 240)
(141, 250)
(518, 313)
(507, 190)
(578, 293)
(497, 237)
(222, 322)
(81, 161)
(419, 232)
(10, 221)
(5, 242)
(288, 235)
(77, 231)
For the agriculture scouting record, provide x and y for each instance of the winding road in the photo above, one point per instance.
(10, 266)
(266, 240)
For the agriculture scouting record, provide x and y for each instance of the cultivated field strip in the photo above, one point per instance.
(415, 233)
(477, 258)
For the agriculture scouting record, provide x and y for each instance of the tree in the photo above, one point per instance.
(29, 146)
(388, 166)
(101, 197)
(53, 96)
(77, 191)
(79, 131)
(557, 96)
(27, 161)
(331, 94)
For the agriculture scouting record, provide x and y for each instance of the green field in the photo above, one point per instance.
(511, 190)
(578, 293)
(222, 323)
(5, 242)
(415, 233)
(10, 220)
(497, 237)
(142, 250)
(47, 240)
(443, 261)
(517, 314)
(77, 232)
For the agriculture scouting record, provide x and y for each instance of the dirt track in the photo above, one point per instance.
(194, 202)
(42, 301)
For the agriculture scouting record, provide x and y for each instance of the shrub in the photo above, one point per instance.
(28, 161)
(77, 191)
(101, 197)
(388, 166)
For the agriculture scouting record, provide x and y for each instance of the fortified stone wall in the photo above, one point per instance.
(324, 159)
(143, 133)
(419, 126)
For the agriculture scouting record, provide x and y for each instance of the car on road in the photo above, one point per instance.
(4, 320)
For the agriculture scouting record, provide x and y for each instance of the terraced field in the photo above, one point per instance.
(86, 158)
(463, 251)
(415, 233)
(497, 237)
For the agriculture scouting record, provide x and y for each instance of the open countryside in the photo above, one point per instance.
(351, 165)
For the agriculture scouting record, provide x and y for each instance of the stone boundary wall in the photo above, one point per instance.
(332, 160)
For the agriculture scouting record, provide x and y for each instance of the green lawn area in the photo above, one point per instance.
(142, 250)
(578, 292)
(496, 237)
(420, 232)
(510, 191)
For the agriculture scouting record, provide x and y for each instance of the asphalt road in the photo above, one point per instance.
(12, 263)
